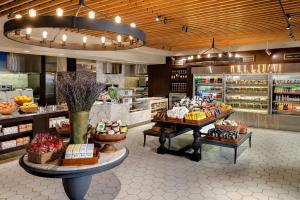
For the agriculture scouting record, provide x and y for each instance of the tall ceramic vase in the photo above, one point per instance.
(79, 127)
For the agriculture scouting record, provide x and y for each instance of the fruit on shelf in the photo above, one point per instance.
(29, 107)
(20, 100)
(7, 108)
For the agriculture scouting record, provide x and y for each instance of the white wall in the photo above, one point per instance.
(118, 79)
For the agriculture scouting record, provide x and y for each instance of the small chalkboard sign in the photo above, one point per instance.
(292, 56)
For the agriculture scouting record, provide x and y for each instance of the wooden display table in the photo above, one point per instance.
(228, 144)
(196, 156)
(76, 179)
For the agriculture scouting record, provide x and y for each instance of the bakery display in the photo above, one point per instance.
(6, 108)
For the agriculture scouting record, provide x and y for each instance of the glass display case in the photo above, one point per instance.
(248, 93)
(286, 94)
(212, 86)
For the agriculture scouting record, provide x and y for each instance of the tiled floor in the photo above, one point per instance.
(270, 170)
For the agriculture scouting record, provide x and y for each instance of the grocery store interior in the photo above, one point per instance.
(149, 100)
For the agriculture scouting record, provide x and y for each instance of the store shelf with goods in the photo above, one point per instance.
(286, 94)
(12, 149)
(247, 110)
(15, 135)
(248, 93)
(206, 85)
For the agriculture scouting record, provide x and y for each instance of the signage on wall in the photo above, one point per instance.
(292, 56)
(248, 59)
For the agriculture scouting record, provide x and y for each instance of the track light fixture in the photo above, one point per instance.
(166, 21)
(289, 27)
(289, 17)
(158, 18)
(185, 28)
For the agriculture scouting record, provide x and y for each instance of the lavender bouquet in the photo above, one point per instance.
(79, 90)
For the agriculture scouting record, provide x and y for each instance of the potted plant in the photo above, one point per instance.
(79, 90)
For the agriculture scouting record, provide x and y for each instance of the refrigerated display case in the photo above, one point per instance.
(248, 93)
(211, 86)
(286, 94)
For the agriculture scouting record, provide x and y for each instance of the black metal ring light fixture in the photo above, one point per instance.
(118, 36)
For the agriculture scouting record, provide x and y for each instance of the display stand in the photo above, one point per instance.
(195, 156)
(76, 179)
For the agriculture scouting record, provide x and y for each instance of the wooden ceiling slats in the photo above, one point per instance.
(232, 22)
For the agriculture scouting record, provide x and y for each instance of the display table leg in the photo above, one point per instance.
(235, 152)
(162, 141)
(76, 188)
(196, 145)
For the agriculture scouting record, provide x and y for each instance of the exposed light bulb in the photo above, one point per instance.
(157, 18)
(237, 55)
(118, 19)
(32, 12)
(130, 37)
(220, 55)
(45, 34)
(64, 37)
(28, 31)
(230, 55)
(132, 25)
(198, 56)
(92, 14)
(18, 16)
(59, 12)
(84, 39)
(192, 57)
(208, 55)
(119, 38)
(102, 39)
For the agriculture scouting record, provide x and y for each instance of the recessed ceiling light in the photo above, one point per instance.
(18, 16)
(26, 51)
(118, 19)
(32, 12)
(59, 12)
(132, 25)
(92, 14)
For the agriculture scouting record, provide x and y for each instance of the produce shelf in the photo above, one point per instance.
(287, 112)
(260, 111)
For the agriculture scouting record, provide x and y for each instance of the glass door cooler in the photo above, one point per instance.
(286, 94)
(248, 93)
(209, 85)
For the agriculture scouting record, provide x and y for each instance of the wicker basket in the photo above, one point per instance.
(8, 111)
(29, 110)
(199, 122)
(110, 138)
(227, 127)
(42, 158)
(243, 128)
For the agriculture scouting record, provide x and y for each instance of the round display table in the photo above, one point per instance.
(76, 179)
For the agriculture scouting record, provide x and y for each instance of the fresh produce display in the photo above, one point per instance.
(7, 108)
(45, 142)
(45, 147)
(20, 100)
(29, 107)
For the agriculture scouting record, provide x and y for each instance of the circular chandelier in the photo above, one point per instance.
(214, 55)
(74, 32)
